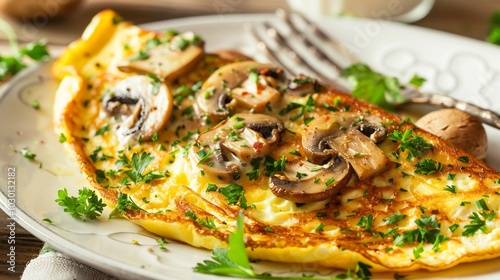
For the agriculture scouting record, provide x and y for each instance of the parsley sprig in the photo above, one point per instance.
(375, 87)
(234, 261)
(85, 206)
(11, 65)
(494, 32)
(139, 164)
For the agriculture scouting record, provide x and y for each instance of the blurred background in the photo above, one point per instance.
(62, 21)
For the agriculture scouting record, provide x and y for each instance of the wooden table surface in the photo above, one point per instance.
(461, 17)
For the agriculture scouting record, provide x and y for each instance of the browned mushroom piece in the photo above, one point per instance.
(302, 85)
(222, 150)
(167, 61)
(246, 86)
(340, 134)
(138, 107)
(304, 182)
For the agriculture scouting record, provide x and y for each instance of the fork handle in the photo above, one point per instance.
(486, 116)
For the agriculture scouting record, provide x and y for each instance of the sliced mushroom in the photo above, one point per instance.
(223, 150)
(349, 135)
(140, 106)
(303, 85)
(248, 86)
(304, 182)
(168, 60)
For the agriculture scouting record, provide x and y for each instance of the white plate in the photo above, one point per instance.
(467, 69)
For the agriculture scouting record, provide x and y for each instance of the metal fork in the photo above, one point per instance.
(298, 53)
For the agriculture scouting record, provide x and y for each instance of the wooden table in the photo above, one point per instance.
(456, 16)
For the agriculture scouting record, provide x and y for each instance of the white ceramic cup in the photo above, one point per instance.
(397, 10)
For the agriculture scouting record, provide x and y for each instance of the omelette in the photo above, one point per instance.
(179, 141)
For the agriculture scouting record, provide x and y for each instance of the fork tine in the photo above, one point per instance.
(270, 53)
(320, 34)
(285, 44)
(319, 53)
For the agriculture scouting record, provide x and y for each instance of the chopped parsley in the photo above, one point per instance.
(209, 223)
(234, 194)
(139, 164)
(271, 166)
(62, 138)
(428, 167)
(124, 204)
(102, 130)
(156, 83)
(394, 218)
(416, 145)
(478, 222)
(366, 223)
(27, 154)
(451, 188)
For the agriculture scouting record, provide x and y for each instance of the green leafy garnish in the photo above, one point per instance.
(451, 188)
(416, 145)
(232, 261)
(161, 243)
(375, 87)
(366, 223)
(209, 223)
(428, 167)
(139, 165)
(477, 223)
(11, 65)
(86, 206)
(494, 32)
(124, 204)
(27, 154)
(394, 218)
(155, 84)
(35, 104)
(234, 194)
(102, 130)
(62, 138)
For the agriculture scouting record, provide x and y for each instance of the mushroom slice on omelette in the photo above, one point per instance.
(179, 141)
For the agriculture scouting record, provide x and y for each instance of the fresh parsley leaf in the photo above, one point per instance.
(124, 204)
(35, 104)
(416, 145)
(86, 206)
(272, 166)
(102, 130)
(428, 167)
(36, 51)
(209, 223)
(139, 165)
(394, 218)
(161, 243)
(62, 138)
(366, 223)
(139, 56)
(234, 194)
(27, 154)
(418, 250)
(232, 261)
(372, 86)
(156, 83)
(451, 188)
(417, 80)
(494, 32)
